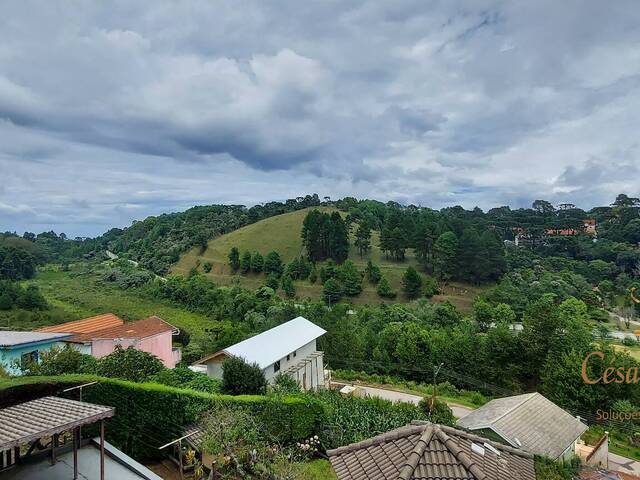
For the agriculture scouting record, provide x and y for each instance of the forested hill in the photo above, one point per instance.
(158, 241)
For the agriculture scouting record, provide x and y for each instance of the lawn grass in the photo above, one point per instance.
(316, 470)
(80, 295)
(281, 233)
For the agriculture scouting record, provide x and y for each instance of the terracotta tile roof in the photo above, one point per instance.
(139, 329)
(85, 325)
(425, 451)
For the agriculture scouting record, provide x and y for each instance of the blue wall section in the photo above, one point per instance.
(10, 357)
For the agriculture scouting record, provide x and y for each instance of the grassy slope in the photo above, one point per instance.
(282, 233)
(81, 296)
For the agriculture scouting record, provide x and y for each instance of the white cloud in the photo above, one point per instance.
(109, 113)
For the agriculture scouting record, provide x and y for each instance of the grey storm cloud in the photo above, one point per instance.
(113, 111)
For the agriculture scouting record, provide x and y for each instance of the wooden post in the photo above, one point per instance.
(180, 459)
(75, 453)
(54, 444)
(101, 449)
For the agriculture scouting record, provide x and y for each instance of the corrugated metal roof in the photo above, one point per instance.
(45, 416)
(274, 344)
(10, 338)
(85, 325)
(428, 451)
(539, 425)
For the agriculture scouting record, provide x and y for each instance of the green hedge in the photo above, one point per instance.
(150, 414)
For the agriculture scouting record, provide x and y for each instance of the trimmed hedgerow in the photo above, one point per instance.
(150, 414)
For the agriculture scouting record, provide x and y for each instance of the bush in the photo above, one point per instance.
(58, 361)
(129, 364)
(629, 342)
(284, 384)
(242, 378)
(441, 413)
(207, 266)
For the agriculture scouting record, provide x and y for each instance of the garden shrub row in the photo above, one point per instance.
(149, 415)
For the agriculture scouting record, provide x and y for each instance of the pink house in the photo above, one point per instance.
(152, 335)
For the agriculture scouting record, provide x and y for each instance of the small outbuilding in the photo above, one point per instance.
(530, 422)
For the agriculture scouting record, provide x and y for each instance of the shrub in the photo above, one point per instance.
(129, 364)
(284, 384)
(629, 342)
(207, 266)
(242, 378)
(441, 413)
(58, 361)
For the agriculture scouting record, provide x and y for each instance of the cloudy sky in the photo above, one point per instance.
(112, 111)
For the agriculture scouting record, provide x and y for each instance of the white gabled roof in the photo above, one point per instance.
(270, 346)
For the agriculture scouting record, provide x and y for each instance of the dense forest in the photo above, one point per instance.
(556, 273)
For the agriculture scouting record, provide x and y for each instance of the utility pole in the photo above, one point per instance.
(435, 387)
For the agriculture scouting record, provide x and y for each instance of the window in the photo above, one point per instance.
(288, 357)
(294, 353)
(28, 358)
(276, 367)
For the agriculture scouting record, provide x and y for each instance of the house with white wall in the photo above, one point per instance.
(288, 348)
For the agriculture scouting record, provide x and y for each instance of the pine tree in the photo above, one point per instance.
(444, 255)
(411, 283)
(351, 279)
(234, 259)
(287, 286)
(363, 238)
(257, 262)
(332, 291)
(245, 262)
(273, 264)
(384, 289)
(373, 273)
(339, 239)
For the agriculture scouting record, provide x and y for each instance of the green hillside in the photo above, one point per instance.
(282, 234)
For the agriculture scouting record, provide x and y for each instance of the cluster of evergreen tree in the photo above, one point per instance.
(12, 294)
(325, 236)
(16, 264)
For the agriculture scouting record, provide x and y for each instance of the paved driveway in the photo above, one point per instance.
(458, 410)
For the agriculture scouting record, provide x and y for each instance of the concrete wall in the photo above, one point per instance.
(10, 357)
(293, 359)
